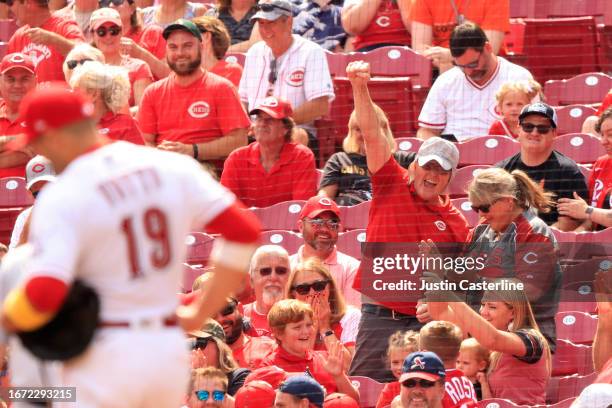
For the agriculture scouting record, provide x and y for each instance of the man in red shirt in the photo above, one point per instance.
(192, 111)
(403, 210)
(46, 38)
(17, 79)
(273, 169)
(422, 381)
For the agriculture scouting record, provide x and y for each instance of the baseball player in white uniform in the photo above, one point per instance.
(116, 219)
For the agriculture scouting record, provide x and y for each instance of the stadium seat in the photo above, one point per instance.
(566, 403)
(522, 9)
(486, 150)
(337, 62)
(463, 177)
(287, 239)
(13, 193)
(356, 216)
(199, 246)
(281, 216)
(408, 144)
(7, 29)
(464, 205)
(350, 242)
(3, 49)
(577, 327)
(564, 388)
(571, 358)
(238, 58)
(571, 118)
(369, 390)
(514, 40)
(497, 403)
(586, 88)
(7, 221)
(575, 8)
(597, 244)
(580, 147)
(577, 293)
(190, 273)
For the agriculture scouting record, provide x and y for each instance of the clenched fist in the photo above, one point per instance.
(358, 72)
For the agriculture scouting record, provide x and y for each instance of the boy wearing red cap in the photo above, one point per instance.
(273, 169)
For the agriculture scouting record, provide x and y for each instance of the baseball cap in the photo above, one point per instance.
(255, 394)
(104, 15)
(272, 10)
(185, 25)
(423, 364)
(276, 107)
(338, 400)
(304, 386)
(50, 107)
(209, 329)
(38, 169)
(17, 60)
(542, 109)
(441, 151)
(273, 375)
(317, 205)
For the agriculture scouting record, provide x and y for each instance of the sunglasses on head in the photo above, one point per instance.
(541, 129)
(199, 343)
(411, 383)
(228, 310)
(203, 395)
(267, 7)
(267, 271)
(72, 64)
(113, 31)
(107, 3)
(318, 223)
(304, 288)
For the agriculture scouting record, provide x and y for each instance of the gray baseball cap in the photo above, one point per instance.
(273, 9)
(39, 169)
(541, 109)
(441, 151)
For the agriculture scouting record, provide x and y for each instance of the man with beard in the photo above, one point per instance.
(319, 224)
(269, 272)
(192, 111)
(248, 351)
(462, 100)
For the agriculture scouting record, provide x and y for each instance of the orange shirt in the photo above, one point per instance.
(47, 59)
(228, 70)
(491, 15)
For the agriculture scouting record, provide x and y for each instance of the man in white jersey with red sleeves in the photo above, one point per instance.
(116, 220)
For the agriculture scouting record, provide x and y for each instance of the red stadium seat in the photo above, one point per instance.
(595, 244)
(350, 242)
(462, 178)
(369, 390)
(571, 358)
(571, 118)
(497, 403)
(563, 388)
(575, 8)
(199, 246)
(190, 273)
(464, 205)
(287, 239)
(13, 193)
(7, 222)
(337, 62)
(514, 40)
(408, 144)
(238, 57)
(3, 49)
(566, 403)
(356, 216)
(586, 88)
(577, 293)
(577, 327)
(580, 147)
(486, 150)
(281, 216)
(7, 29)
(522, 9)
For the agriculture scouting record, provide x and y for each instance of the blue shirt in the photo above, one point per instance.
(321, 25)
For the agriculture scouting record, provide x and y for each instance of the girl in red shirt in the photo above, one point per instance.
(400, 345)
(511, 98)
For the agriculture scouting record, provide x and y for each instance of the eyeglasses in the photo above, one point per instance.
(113, 30)
(267, 7)
(319, 223)
(485, 208)
(228, 310)
(542, 129)
(217, 395)
(471, 65)
(304, 288)
(273, 75)
(267, 271)
(199, 343)
(72, 64)
(411, 383)
(107, 3)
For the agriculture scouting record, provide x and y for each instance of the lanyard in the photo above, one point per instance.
(459, 18)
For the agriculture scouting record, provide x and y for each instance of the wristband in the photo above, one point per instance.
(589, 211)
(196, 152)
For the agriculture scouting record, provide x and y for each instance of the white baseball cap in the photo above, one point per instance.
(441, 151)
(39, 169)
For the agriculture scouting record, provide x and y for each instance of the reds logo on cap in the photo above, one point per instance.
(418, 363)
(17, 58)
(199, 110)
(296, 77)
(270, 101)
(38, 168)
(441, 225)
(383, 21)
(325, 201)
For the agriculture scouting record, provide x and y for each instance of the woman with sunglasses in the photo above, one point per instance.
(293, 327)
(208, 388)
(521, 357)
(107, 30)
(168, 11)
(77, 56)
(312, 283)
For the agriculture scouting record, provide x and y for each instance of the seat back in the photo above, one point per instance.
(350, 242)
(13, 193)
(356, 216)
(580, 147)
(570, 358)
(369, 390)
(408, 144)
(280, 216)
(571, 117)
(199, 247)
(591, 87)
(287, 239)
(577, 327)
(486, 150)
(464, 205)
(462, 178)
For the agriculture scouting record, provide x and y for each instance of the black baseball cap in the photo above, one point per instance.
(304, 386)
(185, 25)
(542, 109)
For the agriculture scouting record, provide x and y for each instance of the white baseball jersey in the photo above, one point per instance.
(18, 227)
(117, 219)
(302, 75)
(456, 105)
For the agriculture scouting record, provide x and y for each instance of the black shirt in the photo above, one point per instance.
(239, 30)
(561, 176)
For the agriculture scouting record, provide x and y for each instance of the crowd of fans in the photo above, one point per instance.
(157, 75)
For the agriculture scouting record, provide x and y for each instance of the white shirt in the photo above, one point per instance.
(117, 219)
(350, 326)
(18, 227)
(457, 105)
(302, 75)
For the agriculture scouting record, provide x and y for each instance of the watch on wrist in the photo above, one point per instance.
(589, 211)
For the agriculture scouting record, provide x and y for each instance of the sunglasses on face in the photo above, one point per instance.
(72, 64)
(279, 270)
(228, 310)
(107, 3)
(304, 288)
(266, 7)
(199, 343)
(471, 65)
(319, 223)
(113, 31)
(273, 75)
(217, 395)
(411, 383)
(542, 129)
(485, 208)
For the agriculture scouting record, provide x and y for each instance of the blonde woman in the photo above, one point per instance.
(346, 178)
(77, 56)
(109, 90)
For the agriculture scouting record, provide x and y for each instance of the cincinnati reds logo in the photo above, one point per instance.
(383, 21)
(271, 102)
(17, 58)
(417, 362)
(325, 201)
(441, 225)
(597, 189)
(199, 110)
(530, 258)
(296, 77)
(38, 168)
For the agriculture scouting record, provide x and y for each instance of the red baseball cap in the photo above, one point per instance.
(338, 400)
(256, 394)
(273, 375)
(276, 107)
(51, 107)
(317, 205)
(17, 60)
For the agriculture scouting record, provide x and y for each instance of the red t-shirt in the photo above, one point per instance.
(151, 39)
(137, 69)
(8, 128)
(204, 110)
(388, 393)
(47, 59)
(398, 214)
(499, 127)
(313, 362)
(228, 70)
(600, 181)
(605, 104)
(386, 27)
(459, 390)
(259, 322)
(293, 176)
(120, 127)
(251, 354)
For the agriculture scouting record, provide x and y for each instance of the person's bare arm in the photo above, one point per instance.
(496, 39)
(149, 139)
(404, 8)
(311, 110)
(42, 36)
(329, 191)
(245, 45)
(425, 133)
(158, 67)
(216, 149)
(356, 17)
(602, 343)
(422, 36)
